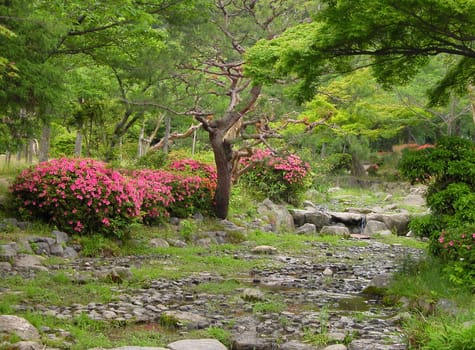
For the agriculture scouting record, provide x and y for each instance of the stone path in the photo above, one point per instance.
(320, 292)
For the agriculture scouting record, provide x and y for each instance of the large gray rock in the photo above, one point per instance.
(8, 251)
(159, 243)
(251, 341)
(132, 348)
(347, 218)
(26, 345)
(197, 344)
(10, 324)
(372, 227)
(306, 229)
(335, 230)
(277, 215)
(394, 222)
(29, 262)
(296, 345)
(187, 320)
(318, 218)
(335, 347)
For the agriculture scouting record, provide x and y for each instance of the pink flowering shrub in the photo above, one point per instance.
(193, 187)
(457, 248)
(78, 196)
(281, 178)
(155, 189)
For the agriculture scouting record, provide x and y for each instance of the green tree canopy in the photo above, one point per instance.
(395, 37)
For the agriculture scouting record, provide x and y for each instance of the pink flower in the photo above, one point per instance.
(106, 222)
(451, 243)
(441, 239)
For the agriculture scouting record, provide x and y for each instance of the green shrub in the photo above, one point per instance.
(151, 160)
(280, 178)
(449, 170)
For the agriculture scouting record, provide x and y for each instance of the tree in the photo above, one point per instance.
(395, 37)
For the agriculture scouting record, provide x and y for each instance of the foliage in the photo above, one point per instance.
(78, 195)
(456, 247)
(449, 169)
(151, 160)
(281, 178)
(390, 36)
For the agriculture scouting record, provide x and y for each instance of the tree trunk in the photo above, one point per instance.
(78, 144)
(43, 151)
(223, 159)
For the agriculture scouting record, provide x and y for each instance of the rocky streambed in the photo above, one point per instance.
(290, 302)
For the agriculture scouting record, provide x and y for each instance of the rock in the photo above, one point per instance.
(26, 345)
(28, 262)
(8, 251)
(11, 222)
(187, 320)
(56, 249)
(349, 219)
(372, 227)
(70, 253)
(5, 266)
(306, 229)
(379, 284)
(278, 215)
(394, 222)
(253, 294)
(264, 249)
(197, 344)
(414, 200)
(231, 226)
(447, 306)
(335, 230)
(132, 348)
(10, 324)
(159, 243)
(177, 243)
(318, 218)
(327, 272)
(251, 341)
(335, 347)
(296, 345)
(41, 248)
(204, 242)
(61, 237)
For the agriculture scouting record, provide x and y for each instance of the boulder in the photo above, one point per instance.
(187, 320)
(394, 222)
(251, 341)
(335, 230)
(278, 215)
(159, 243)
(10, 324)
(264, 249)
(306, 229)
(197, 344)
(296, 345)
(318, 218)
(372, 227)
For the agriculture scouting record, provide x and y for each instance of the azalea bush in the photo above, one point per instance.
(281, 178)
(84, 196)
(449, 171)
(193, 187)
(457, 248)
(78, 196)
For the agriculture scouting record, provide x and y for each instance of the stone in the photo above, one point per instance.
(133, 348)
(23, 225)
(159, 243)
(306, 229)
(335, 230)
(296, 345)
(177, 243)
(70, 253)
(264, 249)
(231, 226)
(379, 284)
(188, 320)
(372, 227)
(349, 219)
(414, 200)
(26, 345)
(11, 222)
(10, 324)
(56, 249)
(251, 341)
(5, 266)
(318, 218)
(41, 248)
(278, 215)
(204, 242)
(29, 262)
(394, 222)
(8, 251)
(197, 344)
(327, 272)
(253, 294)
(61, 237)
(335, 347)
